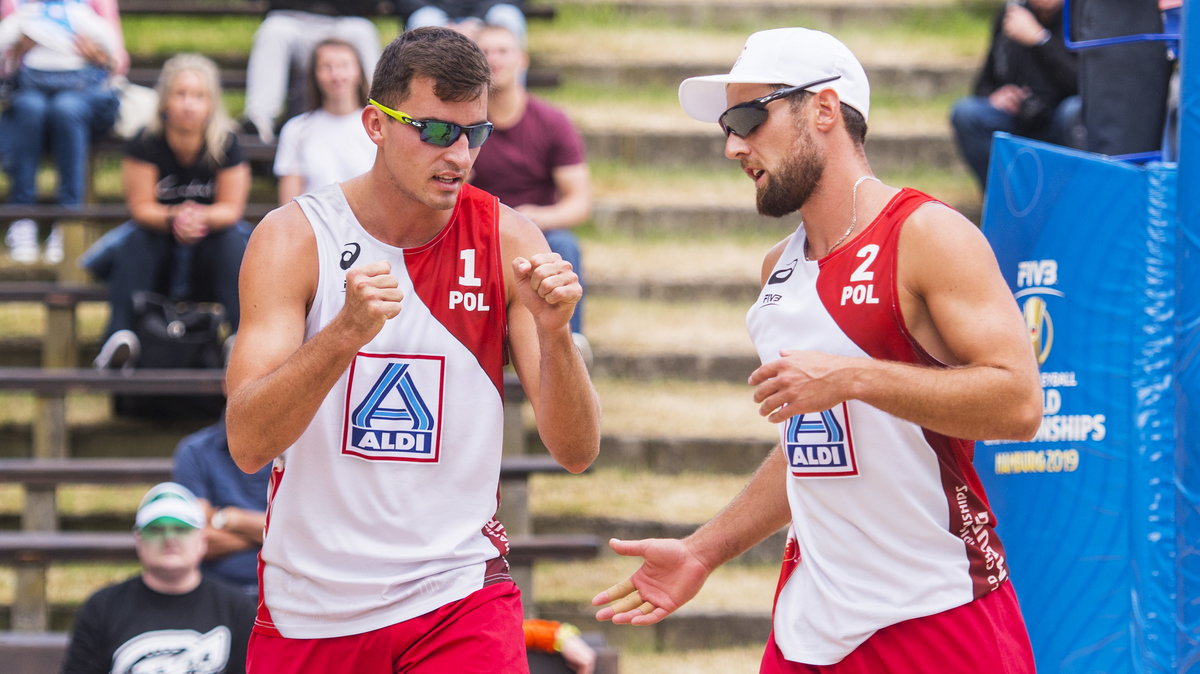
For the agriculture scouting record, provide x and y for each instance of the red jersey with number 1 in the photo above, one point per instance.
(889, 520)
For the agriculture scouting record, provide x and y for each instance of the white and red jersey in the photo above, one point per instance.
(889, 520)
(383, 509)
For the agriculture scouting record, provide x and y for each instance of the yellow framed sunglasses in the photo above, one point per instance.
(438, 132)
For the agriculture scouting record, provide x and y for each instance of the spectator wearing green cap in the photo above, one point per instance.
(168, 617)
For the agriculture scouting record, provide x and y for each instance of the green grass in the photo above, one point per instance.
(938, 22)
(19, 408)
(220, 37)
(70, 583)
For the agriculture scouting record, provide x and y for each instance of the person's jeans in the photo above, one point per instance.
(65, 108)
(144, 259)
(565, 243)
(975, 120)
(284, 42)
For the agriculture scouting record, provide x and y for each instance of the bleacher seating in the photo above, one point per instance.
(40, 544)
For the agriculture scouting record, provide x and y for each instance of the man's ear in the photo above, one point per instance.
(828, 109)
(373, 120)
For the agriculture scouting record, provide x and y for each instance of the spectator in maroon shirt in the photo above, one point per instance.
(534, 160)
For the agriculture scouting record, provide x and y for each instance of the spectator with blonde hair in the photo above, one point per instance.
(186, 185)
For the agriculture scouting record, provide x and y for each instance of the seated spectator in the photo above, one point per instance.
(1028, 85)
(534, 160)
(234, 503)
(169, 618)
(327, 144)
(63, 54)
(284, 44)
(466, 16)
(186, 185)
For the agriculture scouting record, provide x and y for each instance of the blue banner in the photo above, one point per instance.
(1088, 508)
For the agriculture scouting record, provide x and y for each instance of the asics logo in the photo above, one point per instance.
(784, 274)
(350, 255)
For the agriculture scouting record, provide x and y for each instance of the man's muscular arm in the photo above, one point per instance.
(542, 294)
(959, 309)
(276, 380)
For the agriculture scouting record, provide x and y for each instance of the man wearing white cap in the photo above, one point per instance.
(889, 343)
(169, 618)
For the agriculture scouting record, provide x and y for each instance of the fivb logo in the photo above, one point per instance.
(819, 444)
(396, 407)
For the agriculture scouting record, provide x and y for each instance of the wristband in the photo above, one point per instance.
(565, 631)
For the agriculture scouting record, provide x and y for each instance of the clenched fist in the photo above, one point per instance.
(373, 296)
(548, 287)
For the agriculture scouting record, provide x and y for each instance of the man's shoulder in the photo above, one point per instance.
(117, 594)
(537, 108)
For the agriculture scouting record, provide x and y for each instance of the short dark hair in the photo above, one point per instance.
(852, 119)
(453, 61)
(316, 97)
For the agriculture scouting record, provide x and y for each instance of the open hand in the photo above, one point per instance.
(668, 578)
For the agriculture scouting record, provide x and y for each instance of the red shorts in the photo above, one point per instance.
(480, 633)
(986, 636)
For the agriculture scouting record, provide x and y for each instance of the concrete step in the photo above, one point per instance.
(767, 552)
(634, 219)
(887, 152)
(115, 438)
(916, 80)
(733, 368)
(674, 290)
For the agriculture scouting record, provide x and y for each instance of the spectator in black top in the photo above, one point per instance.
(186, 186)
(283, 45)
(1028, 85)
(168, 618)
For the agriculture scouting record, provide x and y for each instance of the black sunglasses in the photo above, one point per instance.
(742, 119)
(439, 133)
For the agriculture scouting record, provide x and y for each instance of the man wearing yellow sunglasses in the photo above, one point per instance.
(377, 317)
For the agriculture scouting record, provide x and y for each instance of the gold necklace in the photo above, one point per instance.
(853, 217)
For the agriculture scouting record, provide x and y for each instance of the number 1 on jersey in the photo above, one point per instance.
(468, 278)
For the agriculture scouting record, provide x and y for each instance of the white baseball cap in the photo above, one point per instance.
(790, 56)
(172, 502)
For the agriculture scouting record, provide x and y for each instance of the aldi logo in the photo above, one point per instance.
(820, 445)
(395, 407)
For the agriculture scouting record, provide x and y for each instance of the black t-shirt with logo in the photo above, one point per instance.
(178, 183)
(128, 628)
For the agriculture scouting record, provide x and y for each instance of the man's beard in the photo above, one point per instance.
(790, 187)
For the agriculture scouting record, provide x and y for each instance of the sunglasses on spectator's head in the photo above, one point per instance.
(742, 119)
(156, 533)
(439, 133)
